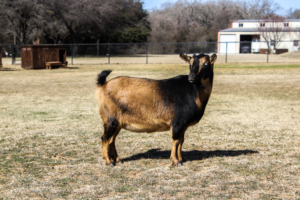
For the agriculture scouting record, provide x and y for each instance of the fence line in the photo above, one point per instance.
(156, 52)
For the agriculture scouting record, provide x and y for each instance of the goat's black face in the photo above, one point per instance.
(197, 65)
(201, 66)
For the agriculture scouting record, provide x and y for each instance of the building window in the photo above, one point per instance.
(240, 25)
(286, 24)
(262, 24)
(296, 43)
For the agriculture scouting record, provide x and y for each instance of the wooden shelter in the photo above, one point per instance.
(43, 56)
(0, 57)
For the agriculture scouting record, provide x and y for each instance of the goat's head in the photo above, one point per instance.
(201, 66)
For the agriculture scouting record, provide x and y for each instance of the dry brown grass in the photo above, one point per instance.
(293, 55)
(245, 147)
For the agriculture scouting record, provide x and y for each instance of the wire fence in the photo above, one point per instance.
(163, 53)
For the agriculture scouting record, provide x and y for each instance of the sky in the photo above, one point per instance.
(285, 4)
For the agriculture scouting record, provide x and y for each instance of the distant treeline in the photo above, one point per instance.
(124, 21)
(73, 21)
(198, 21)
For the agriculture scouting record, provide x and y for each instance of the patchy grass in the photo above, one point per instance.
(246, 145)
(258, 66)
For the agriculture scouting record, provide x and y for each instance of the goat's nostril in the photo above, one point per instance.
(192, 75)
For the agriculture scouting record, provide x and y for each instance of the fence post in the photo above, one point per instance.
(98, 47)
(186, 48)
(72, 53)
(146, 53)
(108, 54)
(13, 54)
(268, 51)
(226, 52)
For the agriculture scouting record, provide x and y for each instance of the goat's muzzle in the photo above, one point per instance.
(191, 77)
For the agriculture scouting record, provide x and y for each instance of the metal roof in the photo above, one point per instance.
(251, 30)
(264, 20)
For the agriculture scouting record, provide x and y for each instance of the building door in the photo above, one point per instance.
(245, 43)
(231, 45)
(62, 55)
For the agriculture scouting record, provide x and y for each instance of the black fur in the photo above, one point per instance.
(194, 69)
(110, 127)
(102, 77)
(180, 94)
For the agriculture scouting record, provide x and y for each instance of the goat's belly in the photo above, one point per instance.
(148, 128)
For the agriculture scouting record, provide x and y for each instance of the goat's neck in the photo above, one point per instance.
(205, 89)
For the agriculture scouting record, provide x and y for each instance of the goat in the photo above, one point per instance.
(146, 105)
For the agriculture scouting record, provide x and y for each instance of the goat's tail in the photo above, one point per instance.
(102, 77)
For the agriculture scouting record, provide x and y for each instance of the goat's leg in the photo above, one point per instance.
(105, 151)
(177, 140)
(112, 149)
(112, 152)
(110, 129)
(173, 156)
(179, 155)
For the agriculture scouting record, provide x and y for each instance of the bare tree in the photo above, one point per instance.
(293, 14)
(200, 21)
(181, 22)
(64, 21)
(255, 9)
(74, 19)
(273, 31)
(19, 16)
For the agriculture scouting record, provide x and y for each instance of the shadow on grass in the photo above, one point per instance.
(188, 155)
(9, 69)
(57, 67)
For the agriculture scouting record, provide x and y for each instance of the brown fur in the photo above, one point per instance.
(152, 115)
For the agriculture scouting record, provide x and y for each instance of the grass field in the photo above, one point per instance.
(245, 147)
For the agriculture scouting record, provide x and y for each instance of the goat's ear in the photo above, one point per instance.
(185, 58)
(213, 59)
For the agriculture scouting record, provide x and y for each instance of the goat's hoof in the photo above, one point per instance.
(112, 164)
(176, 163)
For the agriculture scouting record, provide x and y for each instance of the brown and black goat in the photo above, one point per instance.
(146, 105)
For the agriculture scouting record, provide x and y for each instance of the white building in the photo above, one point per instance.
(244, 37)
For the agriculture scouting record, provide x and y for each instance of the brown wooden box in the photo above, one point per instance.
(263, 51)
(1, 57)
(278, 51)
(36, 56)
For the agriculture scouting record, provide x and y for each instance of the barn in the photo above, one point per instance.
(43, 56)
(244, 37)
